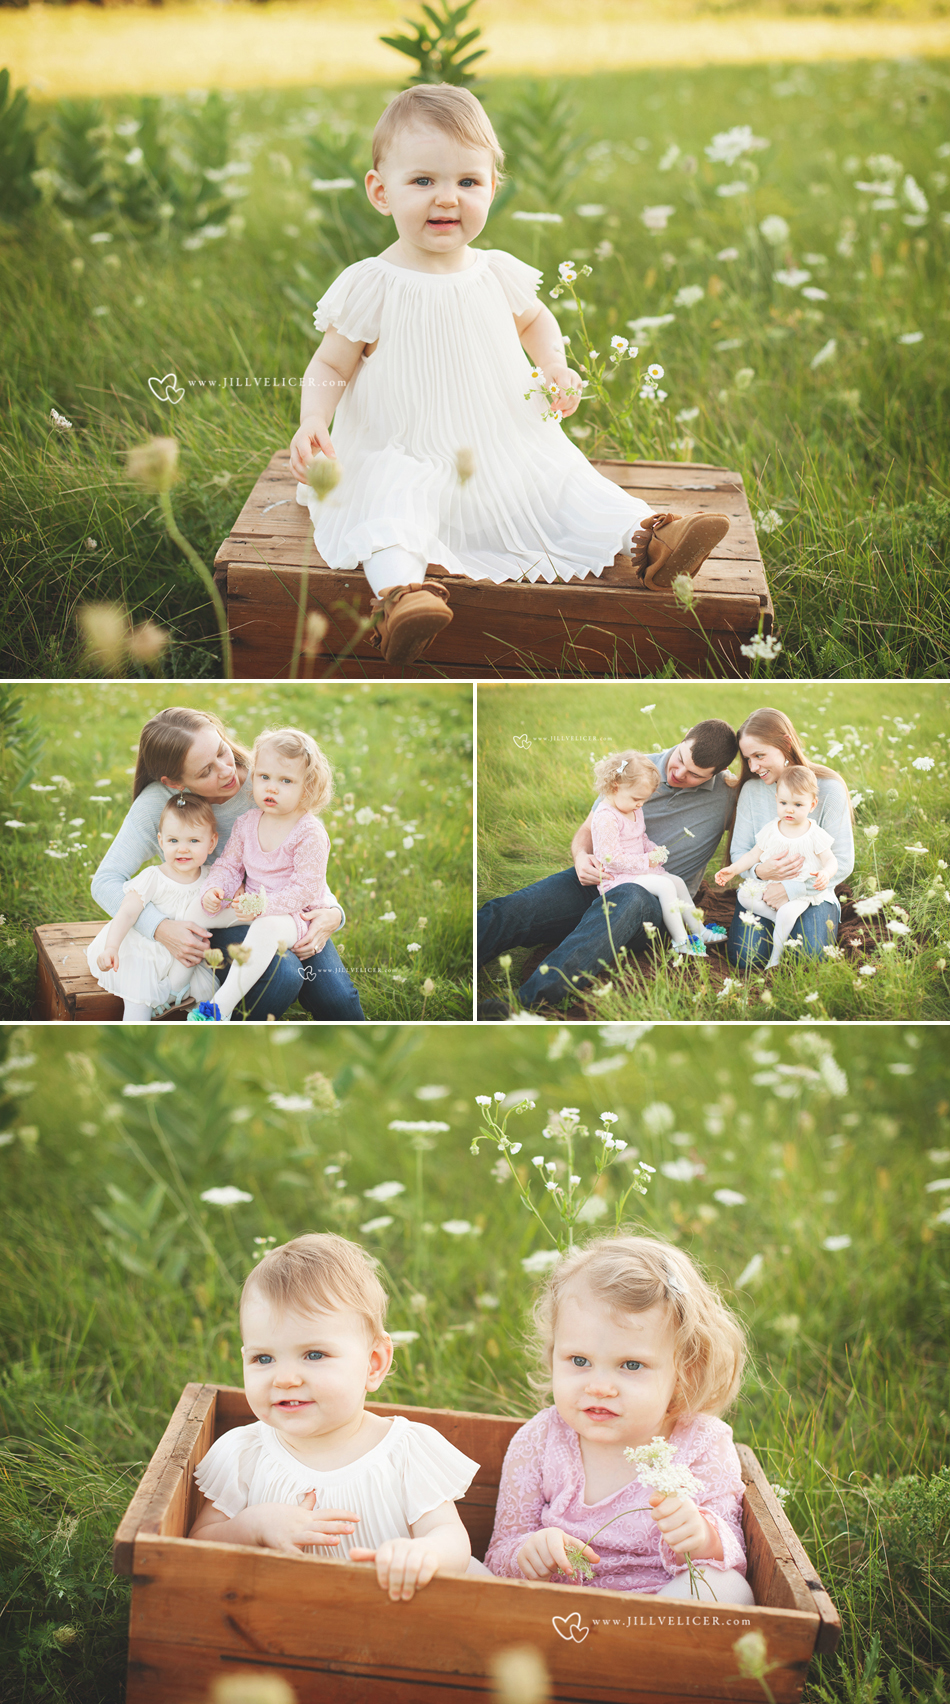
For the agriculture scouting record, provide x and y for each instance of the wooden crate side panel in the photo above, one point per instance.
(158, 1506)
(781, 1535)
(251, 1604)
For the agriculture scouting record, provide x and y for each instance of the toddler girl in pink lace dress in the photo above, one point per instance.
(274, 864)
(625, 780)
(637, 1348)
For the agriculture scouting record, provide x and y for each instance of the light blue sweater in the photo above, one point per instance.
(136, 845)
(757, 808)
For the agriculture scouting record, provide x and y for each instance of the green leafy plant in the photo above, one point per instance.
(545, 147)
(80, 171)
(440, 46)
(21, 743)
(349, 229)
(18, 160)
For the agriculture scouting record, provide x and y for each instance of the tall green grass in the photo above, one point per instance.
(825, 1134)
(399, 824)
(845, 459)
(532, 798)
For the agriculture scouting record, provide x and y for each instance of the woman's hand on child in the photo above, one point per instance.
(212, 901)
(313, 434)
(683, 1527)
(322, 922)
(187, 942)
(546, 1550)
(293, 1526)
(403, 1565)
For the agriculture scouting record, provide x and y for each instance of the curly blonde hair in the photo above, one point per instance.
(631, 1273)
(621, 768)
(300, 748)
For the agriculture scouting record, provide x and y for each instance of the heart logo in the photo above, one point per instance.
(570, 1627)
(521, 740)
(166, 389)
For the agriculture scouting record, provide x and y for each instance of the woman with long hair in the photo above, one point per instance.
(184, 751)
(769, 744)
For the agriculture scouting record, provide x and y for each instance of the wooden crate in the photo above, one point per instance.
(201, 1610)
(585, 627)
(66, 993)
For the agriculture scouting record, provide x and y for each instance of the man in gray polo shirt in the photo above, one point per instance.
(688, 814)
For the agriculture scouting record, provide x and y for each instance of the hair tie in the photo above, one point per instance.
(672, 1283)
(622, 766)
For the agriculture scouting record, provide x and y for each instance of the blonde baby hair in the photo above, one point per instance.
(619, 768)
(800, 779)
(320, 1271)
(631, 1273)
(443, 107)
(301, 748)
(187, 807)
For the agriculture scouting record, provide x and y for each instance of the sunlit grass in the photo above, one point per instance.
(405, 748)
(848, 1377)
(533, 797)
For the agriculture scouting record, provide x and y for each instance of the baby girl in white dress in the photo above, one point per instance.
(625, 780)
(795, 795)
(443, 457)
(315, 1473)
(124, 962)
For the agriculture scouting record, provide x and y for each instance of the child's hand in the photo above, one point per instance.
(313, 434)
(570, 390)
(683, 1527)
(659, 855)
(546, 1550)
(725, 874)
(108, 961)
(821, 881)
(291, 1527)
(403, 1565)
(248, 905)
(212, 901)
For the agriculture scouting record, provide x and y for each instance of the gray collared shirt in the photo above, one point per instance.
(689, 821)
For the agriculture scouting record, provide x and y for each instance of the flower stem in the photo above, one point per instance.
(206, 579)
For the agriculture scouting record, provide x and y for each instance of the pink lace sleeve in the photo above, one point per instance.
(521, 1499)
(617, 858)
(712, 1457)
(311, 854)
(227, 872)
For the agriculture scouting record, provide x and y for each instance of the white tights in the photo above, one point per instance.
(133, 1012)
(724, 1585)
(264, 938)
(783, 919)
(675, 902)
(396, 566)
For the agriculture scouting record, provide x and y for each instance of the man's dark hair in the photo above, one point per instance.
(714, 745)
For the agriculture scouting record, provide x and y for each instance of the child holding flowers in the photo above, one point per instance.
(642, 1356)
(447, 455)
(314, 1468)
(625, 780)
(281, 843)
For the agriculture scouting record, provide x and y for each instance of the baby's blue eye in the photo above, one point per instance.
(314, 1355)
(579, 1361)
(632, 1366)
(263, 1360)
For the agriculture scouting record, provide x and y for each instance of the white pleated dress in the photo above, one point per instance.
(144, 965)
(449, 374)
(407, 1474)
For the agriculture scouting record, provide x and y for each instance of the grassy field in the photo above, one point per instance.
(403, 753)
(532, 798)
(805, 1169)
(829, 394)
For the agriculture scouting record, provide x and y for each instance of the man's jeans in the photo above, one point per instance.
(559, 909)
(750, 948)
(321, 984)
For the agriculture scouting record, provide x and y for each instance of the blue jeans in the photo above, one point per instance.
(321, 984)
(560, 909)
(750, 948)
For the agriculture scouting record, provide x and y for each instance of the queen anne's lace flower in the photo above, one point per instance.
(657, 1468)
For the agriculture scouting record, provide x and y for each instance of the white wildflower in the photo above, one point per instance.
(835, 1244)
(133, 1091)
(729, 1197)
(226, 1197)
(658, 1469)
(384, 1191)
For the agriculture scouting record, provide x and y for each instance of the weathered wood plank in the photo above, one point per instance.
(783, 1538)
(66, 991)
(516, 629)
